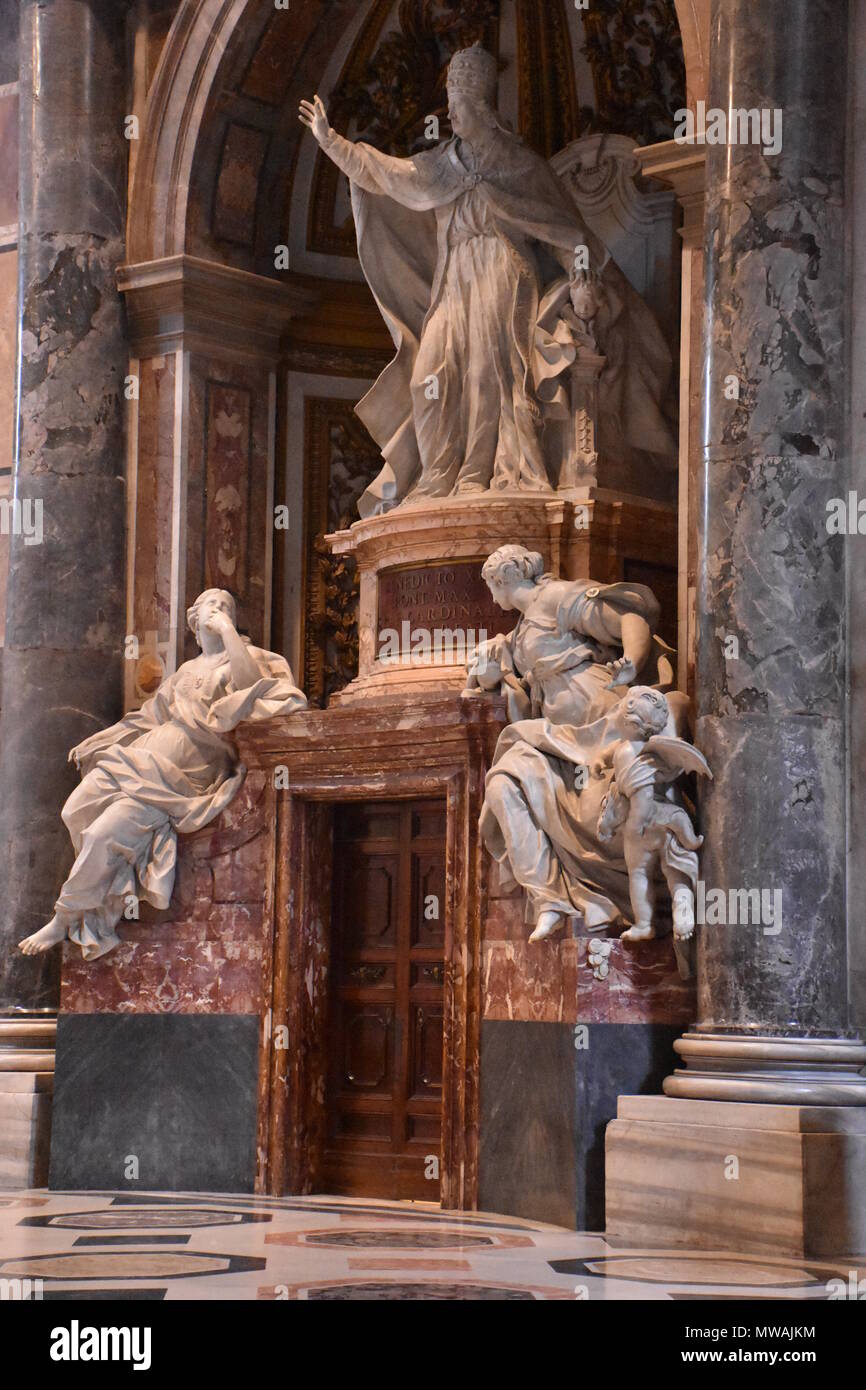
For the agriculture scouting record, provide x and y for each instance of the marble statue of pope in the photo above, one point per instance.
(469, 249)
(168, 768)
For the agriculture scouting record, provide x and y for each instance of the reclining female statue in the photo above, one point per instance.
(564, 668)
(166, 769)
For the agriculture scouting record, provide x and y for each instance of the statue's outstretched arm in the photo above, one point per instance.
(367, 167)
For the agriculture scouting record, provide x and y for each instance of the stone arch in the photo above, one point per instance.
(186, 75)
(694, 21)
(206, 39)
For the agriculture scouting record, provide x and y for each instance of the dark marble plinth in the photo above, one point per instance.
(545, 1105)
(176, 1092)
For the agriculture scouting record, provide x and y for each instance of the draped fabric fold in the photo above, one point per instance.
(410, 244)
(170, 767)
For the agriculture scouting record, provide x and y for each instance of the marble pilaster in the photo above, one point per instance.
(681, 165)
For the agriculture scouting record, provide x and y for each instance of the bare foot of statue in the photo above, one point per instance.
(684, 914)
(547, 924)
(639, 933)
(43, 939)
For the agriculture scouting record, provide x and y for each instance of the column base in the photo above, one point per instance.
(771, 1070)
(718, 1175)
(26, 1090)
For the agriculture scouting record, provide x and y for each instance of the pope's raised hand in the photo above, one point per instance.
(313, 114)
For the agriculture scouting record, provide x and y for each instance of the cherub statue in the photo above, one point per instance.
(570, 659)
(586, 299)
(170, 767)
(657, 832)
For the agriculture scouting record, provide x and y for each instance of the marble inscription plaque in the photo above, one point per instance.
(433, 598)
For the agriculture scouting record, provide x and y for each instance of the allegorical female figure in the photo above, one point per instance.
(576, 649)
(464, 246)
(167, 769)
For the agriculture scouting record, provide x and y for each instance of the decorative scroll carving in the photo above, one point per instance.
(636, 54)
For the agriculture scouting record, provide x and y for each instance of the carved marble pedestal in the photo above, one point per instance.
(420, 572)
(723, 1175)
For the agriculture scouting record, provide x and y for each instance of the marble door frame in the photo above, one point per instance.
(440, 751)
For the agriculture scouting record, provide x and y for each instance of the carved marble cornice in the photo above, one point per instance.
(681, 164)
(202, 306)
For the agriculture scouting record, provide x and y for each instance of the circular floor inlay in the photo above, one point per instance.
(400, 1293)
(116, 1264)
(397, 1240)
(699, 1269)
(181, 1218)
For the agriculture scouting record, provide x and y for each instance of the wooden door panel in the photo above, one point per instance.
(370, 901)
(426, 1071)
(368, 1050)
(428, 899)
(385, 1031)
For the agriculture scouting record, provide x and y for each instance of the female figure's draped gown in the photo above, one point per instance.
(169, 767)
(541, 809)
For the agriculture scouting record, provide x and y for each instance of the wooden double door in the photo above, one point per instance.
(385, 1010)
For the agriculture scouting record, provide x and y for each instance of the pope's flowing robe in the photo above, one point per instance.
(420, 223)
(169, 767)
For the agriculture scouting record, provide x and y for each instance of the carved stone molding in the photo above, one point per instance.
(584, 532)
(633, 218)
(682, 166)
(176, 104)
(27, 1041)
(693, 17)
(438, 746)
(199, 305)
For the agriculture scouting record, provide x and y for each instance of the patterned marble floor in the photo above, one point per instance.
(171, 1246)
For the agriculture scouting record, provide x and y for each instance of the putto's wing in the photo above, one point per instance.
(675, 755)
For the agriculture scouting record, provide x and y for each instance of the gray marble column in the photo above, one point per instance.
(65, 607)
(771, 661)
